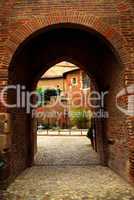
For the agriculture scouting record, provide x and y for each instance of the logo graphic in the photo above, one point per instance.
(128, 95)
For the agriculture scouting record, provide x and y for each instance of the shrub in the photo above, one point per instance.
(81, 118)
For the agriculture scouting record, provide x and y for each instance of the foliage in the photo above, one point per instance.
(48, 126)
(40, 91)
(46, 94)
(81, 118)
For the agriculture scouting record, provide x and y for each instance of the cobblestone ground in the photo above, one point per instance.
(65, 150)
(67, 182)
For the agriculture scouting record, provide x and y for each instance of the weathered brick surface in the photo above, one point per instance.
(114, 20)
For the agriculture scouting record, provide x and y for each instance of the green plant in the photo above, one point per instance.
(40, 91)
(46, 126)
(81, 117)
(46, 95)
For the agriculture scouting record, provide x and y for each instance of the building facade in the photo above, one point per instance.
(72, 86)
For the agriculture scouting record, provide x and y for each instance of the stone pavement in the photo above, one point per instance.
(69, 183)
(64, 180)
(65, 150)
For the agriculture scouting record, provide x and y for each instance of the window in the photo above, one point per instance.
(74, 81)
(85, 81)
(58, 90)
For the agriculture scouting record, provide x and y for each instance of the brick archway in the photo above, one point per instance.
(32, 25)
(109, 33)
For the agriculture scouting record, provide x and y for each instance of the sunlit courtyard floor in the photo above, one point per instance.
(65, 150)
(66, 168)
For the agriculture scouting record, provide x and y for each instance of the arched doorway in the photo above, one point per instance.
(66, 133)
(94, 54)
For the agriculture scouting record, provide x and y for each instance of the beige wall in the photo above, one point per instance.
(51, 83)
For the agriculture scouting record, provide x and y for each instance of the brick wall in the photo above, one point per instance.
(114, 20)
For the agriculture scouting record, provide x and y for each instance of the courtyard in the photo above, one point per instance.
(66, 168)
